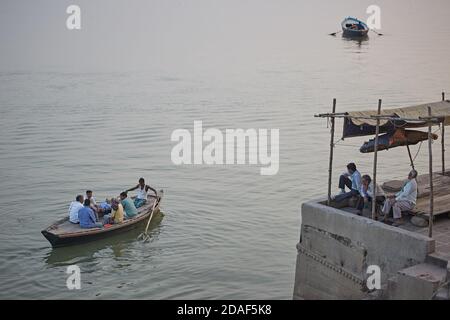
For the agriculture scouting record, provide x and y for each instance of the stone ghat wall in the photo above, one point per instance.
(336, 247)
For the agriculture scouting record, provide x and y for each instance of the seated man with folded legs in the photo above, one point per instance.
(404, 200)
(367, 194)
(350, 179)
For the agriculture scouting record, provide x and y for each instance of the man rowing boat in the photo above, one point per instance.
(142, 193)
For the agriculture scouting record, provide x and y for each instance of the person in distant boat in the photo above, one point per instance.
(116, 215)
(142, 193)
(350, 179)
(367, 194)
(405, 200)
(74, 207)
(87, 216)
(128, 205)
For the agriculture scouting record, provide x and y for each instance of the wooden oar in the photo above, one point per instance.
(335, 33)
(144, 236)
(380, 34)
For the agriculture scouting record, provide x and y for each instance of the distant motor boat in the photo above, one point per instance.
(352, 27)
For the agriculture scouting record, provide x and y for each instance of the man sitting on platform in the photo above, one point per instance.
(367, 194)
(404, 200)
(350, 179)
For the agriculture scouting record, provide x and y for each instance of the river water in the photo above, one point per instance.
(228, 232)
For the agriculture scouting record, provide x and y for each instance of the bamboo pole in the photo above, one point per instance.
(382, 117)
(443, 147)
(330, 166)
(430, 166)
(443, 139)
(375, 160)
(410, 156)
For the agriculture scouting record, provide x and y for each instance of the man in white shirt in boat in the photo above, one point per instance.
(94, 206)
(142, 193)
(75, 206)
(405, 200)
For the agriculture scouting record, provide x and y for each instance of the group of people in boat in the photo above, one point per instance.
(86, 212)
(354, 26)
(362, 188)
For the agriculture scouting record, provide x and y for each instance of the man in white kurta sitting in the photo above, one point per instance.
(404, 200)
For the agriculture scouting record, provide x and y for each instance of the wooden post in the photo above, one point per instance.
(330, 166)
(443, 146)
(443, 139)
(430, 166)
(375, 160)
(410, 156)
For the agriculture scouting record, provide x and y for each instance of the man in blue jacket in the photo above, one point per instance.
(87, 216)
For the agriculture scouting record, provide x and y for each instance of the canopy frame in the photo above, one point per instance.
(428, 121)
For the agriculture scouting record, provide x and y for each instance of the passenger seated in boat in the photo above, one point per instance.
(367, 194)
(350, 179)
(405, 200)
(94, 206)
(128, 206)
(142, 193)
(105, 207)
(116, 215)
(87, 216)
(75, 206)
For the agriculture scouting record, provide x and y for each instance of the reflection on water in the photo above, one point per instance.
(358, 40)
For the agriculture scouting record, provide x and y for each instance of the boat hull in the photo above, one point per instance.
(62, 241)
(354, 33)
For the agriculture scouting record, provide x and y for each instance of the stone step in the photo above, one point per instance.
(442, 294)
(437, 260)
(420, 282)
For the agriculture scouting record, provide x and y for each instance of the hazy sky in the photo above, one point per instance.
(138, 34)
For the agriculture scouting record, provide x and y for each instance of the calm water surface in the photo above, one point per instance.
(228, 232)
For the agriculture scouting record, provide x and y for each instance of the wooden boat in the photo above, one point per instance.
(352, 27)
(64, 233)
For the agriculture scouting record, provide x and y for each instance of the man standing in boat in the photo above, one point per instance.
(350, 179)
(142, 193)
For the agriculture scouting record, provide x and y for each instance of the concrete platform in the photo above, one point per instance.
(441, 230)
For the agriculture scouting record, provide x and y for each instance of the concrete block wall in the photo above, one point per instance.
(336, 247)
